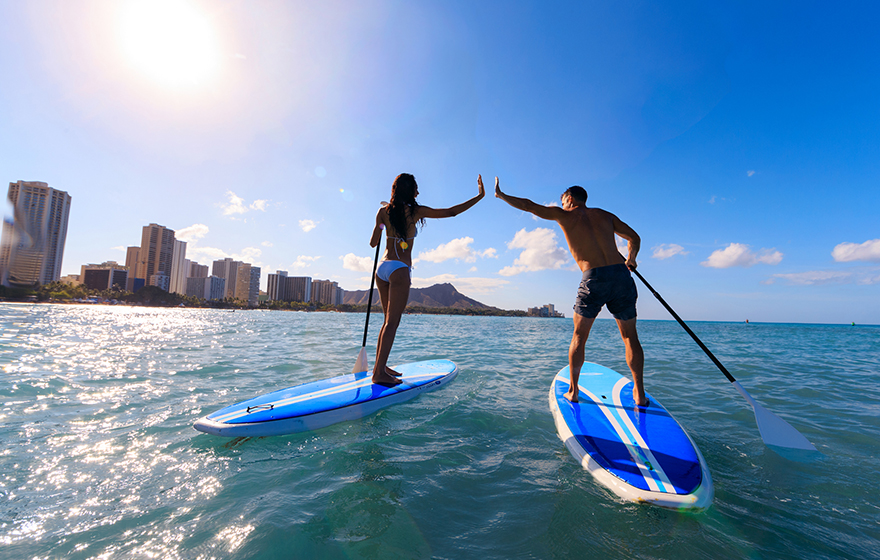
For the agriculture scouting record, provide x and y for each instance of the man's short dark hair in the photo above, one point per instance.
(577, 193)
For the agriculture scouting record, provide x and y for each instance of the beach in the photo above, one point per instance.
(100, 459)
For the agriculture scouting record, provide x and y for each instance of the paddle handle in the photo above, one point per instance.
(686, 328)
(370, 298)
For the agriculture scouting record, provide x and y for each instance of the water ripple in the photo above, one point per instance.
(100, 459)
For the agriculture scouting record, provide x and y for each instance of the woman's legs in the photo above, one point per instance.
(394, 295)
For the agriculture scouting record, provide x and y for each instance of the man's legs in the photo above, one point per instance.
(635, 358)
(582, 326)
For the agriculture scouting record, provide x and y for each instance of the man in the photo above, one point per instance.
(606, 276)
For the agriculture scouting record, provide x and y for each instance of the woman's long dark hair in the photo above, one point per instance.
(403, 195)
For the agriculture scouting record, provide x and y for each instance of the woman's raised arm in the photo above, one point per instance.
(428, 212)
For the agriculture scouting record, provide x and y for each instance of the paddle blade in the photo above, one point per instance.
(774, 430)
(361, 363)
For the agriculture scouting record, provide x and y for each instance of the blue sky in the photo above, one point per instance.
(740, 140)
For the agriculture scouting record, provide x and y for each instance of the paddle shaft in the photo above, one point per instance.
(370, 298)
(686, 328)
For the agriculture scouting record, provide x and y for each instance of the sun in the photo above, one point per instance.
(169, 41)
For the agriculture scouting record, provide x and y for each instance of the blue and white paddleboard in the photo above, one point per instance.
(640, 453)
(321, 403)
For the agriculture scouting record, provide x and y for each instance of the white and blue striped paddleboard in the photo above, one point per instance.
(640, 453)
(321, 403)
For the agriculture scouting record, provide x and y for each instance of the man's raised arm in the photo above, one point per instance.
(526, 205)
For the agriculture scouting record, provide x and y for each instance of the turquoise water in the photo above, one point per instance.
(99, 459)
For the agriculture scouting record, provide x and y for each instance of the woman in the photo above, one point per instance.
(399, 219)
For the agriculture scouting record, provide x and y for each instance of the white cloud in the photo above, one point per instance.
(122, 248)
(867, 251)
(814, 277)
(738, 254)
(456, 249)
(467, 286)
(266, 244)
(622, 245)
(307, 225)
(356, 263)
(716, 198)
(249, 255)
(236, 205)
(192, 233)
(665, 251)
(750, 172)
(540, 252)
(303, 261)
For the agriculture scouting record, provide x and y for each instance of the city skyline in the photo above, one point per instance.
(738, 139)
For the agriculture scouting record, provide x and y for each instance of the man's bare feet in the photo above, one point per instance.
(392, 372)
(386, 378)
(571, 396)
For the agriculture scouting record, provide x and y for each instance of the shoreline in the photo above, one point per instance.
(422, 311)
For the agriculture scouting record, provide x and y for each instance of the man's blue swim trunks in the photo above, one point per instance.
(611, 286)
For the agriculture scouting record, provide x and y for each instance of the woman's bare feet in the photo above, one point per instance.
(572, 395)
(386, 378)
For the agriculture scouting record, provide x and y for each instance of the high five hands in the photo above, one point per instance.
(498, 193)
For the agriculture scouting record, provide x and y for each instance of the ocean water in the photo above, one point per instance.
(98, 457)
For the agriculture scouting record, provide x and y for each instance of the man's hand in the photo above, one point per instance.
(498, 193)
(480, 184)
(631, 263)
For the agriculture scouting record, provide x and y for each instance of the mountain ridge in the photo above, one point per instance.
(438, 295)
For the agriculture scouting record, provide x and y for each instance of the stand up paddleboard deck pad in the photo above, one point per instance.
(640, 453)
(321, 403)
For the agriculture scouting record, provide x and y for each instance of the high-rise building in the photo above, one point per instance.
(179, 268)
(227, 269)
(276, 288)
(254, 291)
(282, 287)
(325, 291)
(299, 288)
(131, 263)
(33, 243)
(243, 281)
(210, 287)
(197, 270)
(247, 284)
(105, 276)
(156, 253)
(131, 258)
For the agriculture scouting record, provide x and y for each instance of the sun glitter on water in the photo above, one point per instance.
(169, 41)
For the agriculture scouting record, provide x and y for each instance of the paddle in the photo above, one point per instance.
(361, 363)
(774, 430)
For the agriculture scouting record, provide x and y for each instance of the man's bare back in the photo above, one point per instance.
(590, 235)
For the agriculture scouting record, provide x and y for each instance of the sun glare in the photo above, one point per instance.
(169, 41)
